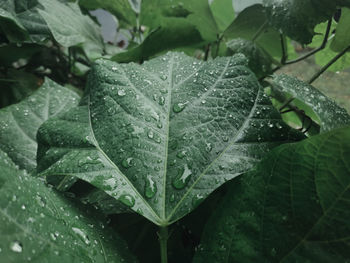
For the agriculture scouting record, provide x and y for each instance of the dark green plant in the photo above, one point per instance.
(111, 154)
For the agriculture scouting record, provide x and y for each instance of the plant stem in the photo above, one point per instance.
(330, 63)
(163, 239)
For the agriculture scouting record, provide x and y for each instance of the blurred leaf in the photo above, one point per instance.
(20, 122)
(12, 52)
(248, 23)
(342, 36)
(121, 9)
(297, 18)
(260, 62)
(71, 27)
(223, 13)
(292, 208)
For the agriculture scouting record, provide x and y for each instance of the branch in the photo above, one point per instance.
(323, 45)
(330, 63)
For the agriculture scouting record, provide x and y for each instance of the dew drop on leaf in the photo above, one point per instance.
(16, 247)
(127, 163)
(121, 93)
(178, 107)
(127, 200)
(197, 199)
(182, 178)
(150, 187)
(81, 235)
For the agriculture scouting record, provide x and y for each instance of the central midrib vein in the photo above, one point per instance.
(167, 134)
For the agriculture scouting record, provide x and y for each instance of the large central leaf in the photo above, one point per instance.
(162, 136)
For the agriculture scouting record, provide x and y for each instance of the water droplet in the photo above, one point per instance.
(279, 126)
(150, 134)
(159, 125)
(16, 247)
(121, 93)
(23, 207)
(82, 235)
(181, 154)
(127, 200)
(182, 178)
(178, 107)
(209, 147)
(40, 200)
(128, 162)
(150, 187)
(161, 100)
(225, 139)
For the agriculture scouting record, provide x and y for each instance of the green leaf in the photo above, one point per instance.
(161, 136)
(122, 9)
(176, 34)
(297, 18)
(260, 62)
(39, 225)
(71, 27)
(248, 23)
(223, 13)
(293, 208)
(13, 29)
(167, 13)
(23, 21)
(19, 122)
(342, 37)
(331, 115)
(327, 54)
(11, 53)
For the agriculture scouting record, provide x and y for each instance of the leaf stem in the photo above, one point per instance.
(323, 45)
(163, 236)
(330, 63)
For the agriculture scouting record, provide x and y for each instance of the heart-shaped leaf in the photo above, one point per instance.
(293, 208)
(161, 136)
(20, 122)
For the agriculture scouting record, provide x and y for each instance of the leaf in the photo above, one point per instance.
(196, 13)
(121, 9)
(248, 23)
(293, 208)
(23, 22)
(13, 29)
(260, 62)
(20, 122)
(330, 114)
(342, 38)
(297, 18)
(71, 27)
(161, 136)
(174, 35)
(327, 54)
(223, 13)
(39, 225)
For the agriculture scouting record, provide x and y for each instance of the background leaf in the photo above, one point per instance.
(20, 122)
(342, 38)
(293, 208)
(162, 136)
(297, 18)
(330, 114)
(39, 225)
(223, 13)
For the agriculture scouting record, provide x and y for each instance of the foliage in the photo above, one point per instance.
(179, 130)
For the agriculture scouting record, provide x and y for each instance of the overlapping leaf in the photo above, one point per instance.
(330, 115)
(20, 122)
(293, 208)
(39, 225)
(70, 27)
(162, 136)
(297, 18)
